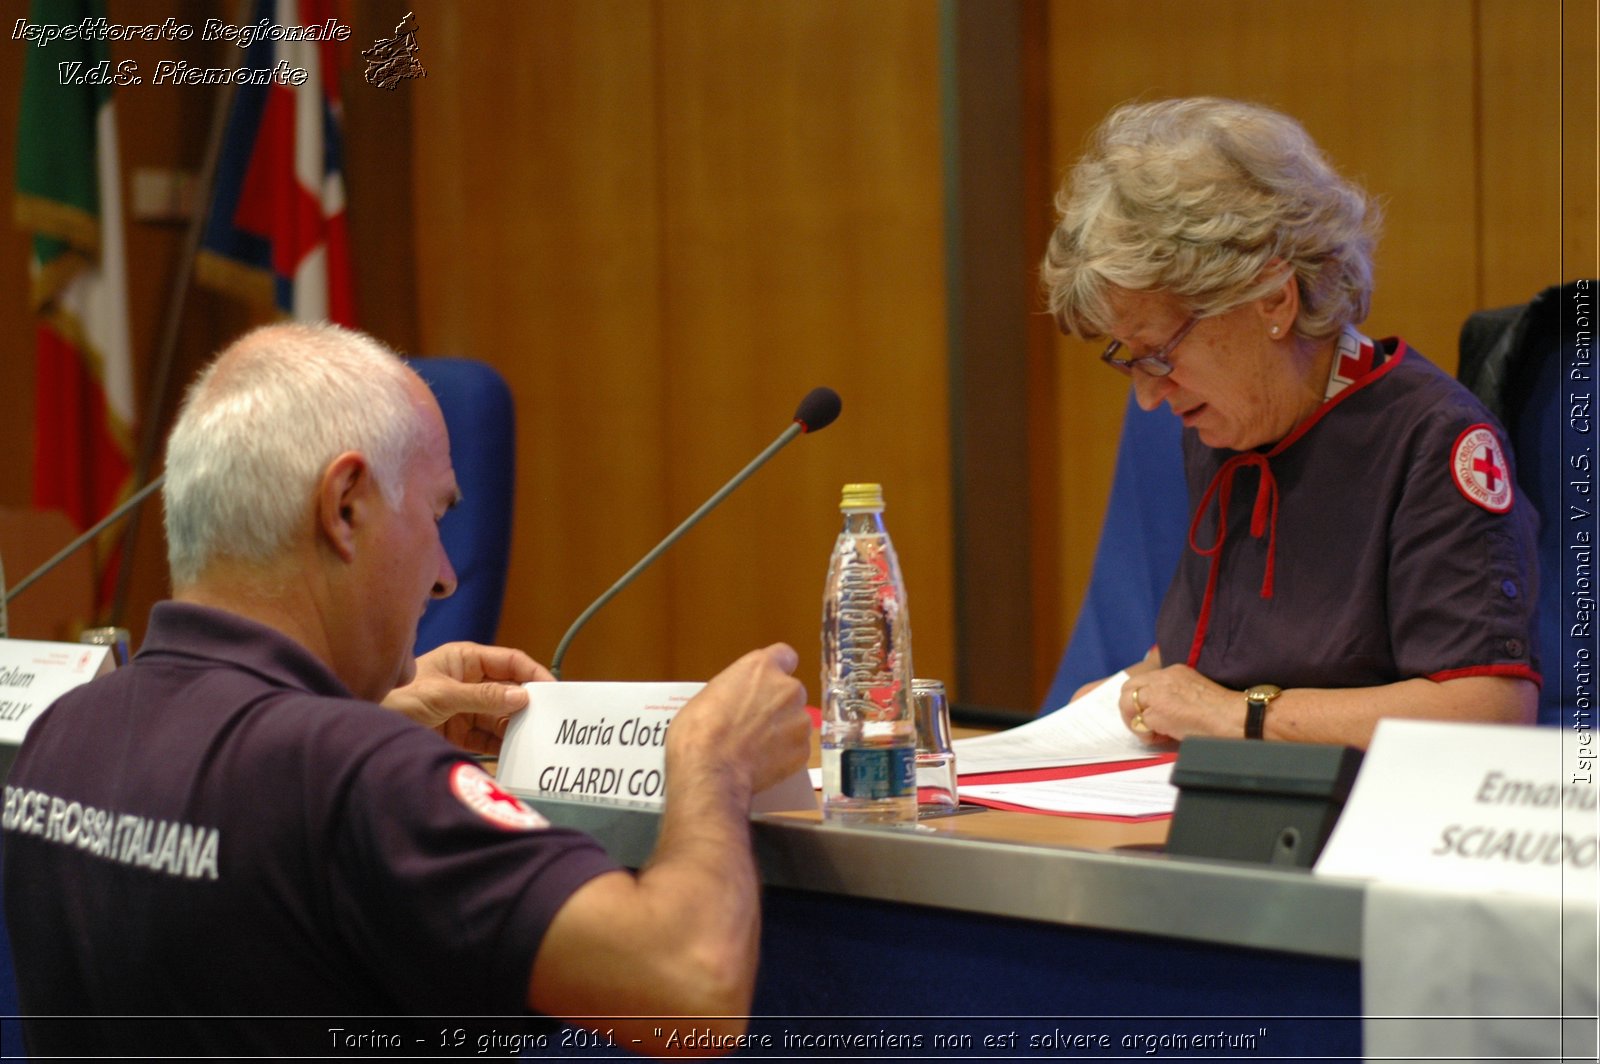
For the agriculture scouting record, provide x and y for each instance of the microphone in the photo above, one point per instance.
(816, 412)
(61, 555)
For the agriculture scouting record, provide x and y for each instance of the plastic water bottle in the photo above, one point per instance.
(869, 736)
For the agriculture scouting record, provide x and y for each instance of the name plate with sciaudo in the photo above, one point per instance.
(608, 741)
(1481, 807)
(34, 674)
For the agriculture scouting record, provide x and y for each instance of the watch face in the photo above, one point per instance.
(1263, 692)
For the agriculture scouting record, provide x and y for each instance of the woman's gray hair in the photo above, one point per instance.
(1198, 197)
(259, 426)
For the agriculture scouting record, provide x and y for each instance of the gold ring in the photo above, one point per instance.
(1136, 703)
(1137, 723)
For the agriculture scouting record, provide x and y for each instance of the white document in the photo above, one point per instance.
(1146, 791)
(1088, 731)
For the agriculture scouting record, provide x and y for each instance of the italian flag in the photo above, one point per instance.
(69, 198)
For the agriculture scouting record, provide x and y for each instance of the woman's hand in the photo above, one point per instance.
(1164, 705)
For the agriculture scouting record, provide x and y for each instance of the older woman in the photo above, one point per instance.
(1357, 548)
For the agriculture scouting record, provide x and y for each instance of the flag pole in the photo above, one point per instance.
(161, 374)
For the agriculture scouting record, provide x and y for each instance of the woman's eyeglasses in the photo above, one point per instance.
(1155, 365)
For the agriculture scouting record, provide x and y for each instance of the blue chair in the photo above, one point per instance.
(1144, 533)
(481, 418)
(1511, 358)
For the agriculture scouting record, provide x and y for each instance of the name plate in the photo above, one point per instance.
(608, 741)
(33, 674)
(1479, 807)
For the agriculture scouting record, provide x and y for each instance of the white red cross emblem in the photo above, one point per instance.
(1352, 359)
(1481, 471)
(478, 791)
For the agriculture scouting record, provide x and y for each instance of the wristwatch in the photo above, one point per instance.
(1255, 713)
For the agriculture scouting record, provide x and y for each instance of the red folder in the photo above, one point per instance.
(1062, 772)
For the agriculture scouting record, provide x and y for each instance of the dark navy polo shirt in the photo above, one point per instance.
(221, 829)
(1397, 545)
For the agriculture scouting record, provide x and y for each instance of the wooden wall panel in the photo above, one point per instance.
(1519, 156)
(1580, 138)
(665, 223)
(538, 250)
(378, 148)
(802, 245)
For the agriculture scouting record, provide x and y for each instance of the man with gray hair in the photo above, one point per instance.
(233, 826)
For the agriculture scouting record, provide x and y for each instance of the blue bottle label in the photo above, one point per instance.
(873, 772)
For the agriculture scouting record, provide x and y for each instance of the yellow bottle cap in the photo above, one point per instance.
(861, 497)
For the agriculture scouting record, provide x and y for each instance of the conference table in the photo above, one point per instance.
(994, 934)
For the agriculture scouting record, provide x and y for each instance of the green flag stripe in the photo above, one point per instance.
(57, 187)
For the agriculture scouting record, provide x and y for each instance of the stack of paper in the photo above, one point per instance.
(1089, 731)
(1146, 791)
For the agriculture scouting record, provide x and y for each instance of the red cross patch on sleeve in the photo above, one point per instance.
(1478, 464)
(478, 791)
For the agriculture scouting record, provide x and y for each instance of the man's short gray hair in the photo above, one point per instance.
(1197, 197)
(259, 426)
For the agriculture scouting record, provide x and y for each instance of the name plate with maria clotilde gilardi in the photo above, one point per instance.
(607, 741)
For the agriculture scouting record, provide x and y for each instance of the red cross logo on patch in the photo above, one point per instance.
(1478, 464)
(478, 791)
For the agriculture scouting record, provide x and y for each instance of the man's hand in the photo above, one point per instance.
(467, 692)
(749, 722)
